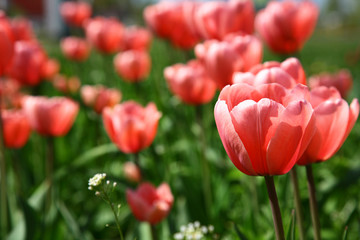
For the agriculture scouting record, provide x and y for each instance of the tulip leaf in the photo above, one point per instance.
(70, 221)
(291, 228)
(239, 233)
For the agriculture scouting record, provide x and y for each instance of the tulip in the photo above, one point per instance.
(132, 65)
(288, 73)
(106, 34)
(50, 68)
(132, 172)
(50, 116)
(285, 26)
(334, 121)
(136, 38)
(190, 82)
(75, 13)
(28, 61)
(150, 204)
(130, 126)
(16, 128)
(262, 133)
(214, 20)
(11, 97)
(66, 85)
(6, 43)
(342, 81)
(162, 19)
(75, 48)
(236, 53)
(22, 29)
(99, 97)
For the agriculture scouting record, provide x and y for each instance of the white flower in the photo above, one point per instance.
(96, 180)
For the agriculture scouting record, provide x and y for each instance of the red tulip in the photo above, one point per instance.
(341, 80)
(16, 128)
(237, 52)
(50, 68)
(6, 43)
(262, 135)
(162, 19)
(10, 95)
(150, 204)
(66, 85)
(132, 65)
(334, 121)
(22, 29)
(106, 34)
(288, 73)
(132, 172)
(214, 20)
(136, 38)
(130, 126)
(28, 61)
(75, 13)
(50, 116)
(75, 48)
(190, 82)
(98, 97)
(285, 26)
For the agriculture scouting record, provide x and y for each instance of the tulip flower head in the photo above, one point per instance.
(190, 82)
(150, 204)
(99, 97)
(262, 132)
(22, 29)
(75, 48)
(341, 80)
(130, 126)
(50, 68)
(334, 121)
(132, 172)
(289, 73)
(6, 43)
(50, 116)
(286, 25)
(16, 128)
(66, 85)
(75, 13)
(136, 38)
(132, 65)
(105, 34)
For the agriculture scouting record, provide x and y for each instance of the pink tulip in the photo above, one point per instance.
(6, 43)
(136, 38)
(262, 133)
(288, 73)
(27, 64)
(75, 13)
(150, 204)
(106, 34)
(132, 65)
(285, 26)
(167, 20)
(342, 81)
(130, 126)
(214, 20)
(75, 48)
(334, 121)
(50, 116)
(236, 53)
(190, 82)
(16, 128)
(66, 85)
(99, 97)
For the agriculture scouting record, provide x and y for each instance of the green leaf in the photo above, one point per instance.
(239, 233)
(291, 227)
(345, 233)
(70, 221)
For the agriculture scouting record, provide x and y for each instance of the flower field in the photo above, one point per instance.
(124, 144)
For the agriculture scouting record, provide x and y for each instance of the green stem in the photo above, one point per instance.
(108, 200)
(313, 204)
(299, 216)
(204, 163)
(17, 171)
(49, 170)
(3, 190)
(279, 230)
(153, 232)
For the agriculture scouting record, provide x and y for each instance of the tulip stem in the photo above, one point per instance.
(205, 166)
(279, 230)
(49, 170)
(3, 207)
(313, 204)
(299, 216)
(153, 232)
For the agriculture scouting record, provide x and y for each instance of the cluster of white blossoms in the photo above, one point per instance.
(194, 231)
(96, 180)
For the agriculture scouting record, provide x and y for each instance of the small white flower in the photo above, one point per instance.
(96, 180)
(182, 229)
(178, 236)
(204, 229)
(197, 224)
(107, 182)
(114, 184)
(97, 193)
(211, 228)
